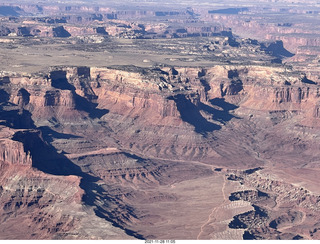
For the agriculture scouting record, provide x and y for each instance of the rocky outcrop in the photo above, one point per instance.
(37, 205)
(60, 32)
(31, 194)
(12, 152)
(278, 214)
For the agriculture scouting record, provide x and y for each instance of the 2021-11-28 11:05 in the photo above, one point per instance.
(159, 241)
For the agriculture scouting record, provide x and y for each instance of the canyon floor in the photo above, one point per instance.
(186, 121)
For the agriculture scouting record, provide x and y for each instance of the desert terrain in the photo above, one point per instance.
(192, 120)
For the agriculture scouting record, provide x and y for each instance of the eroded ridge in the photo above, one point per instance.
(281, 210)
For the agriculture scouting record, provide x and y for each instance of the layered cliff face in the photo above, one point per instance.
(139, 102)
(128, 133)
(37, 205)
(68, 27)
(291, 24)
(293, 33)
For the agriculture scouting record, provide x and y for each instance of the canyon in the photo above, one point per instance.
(138, 122)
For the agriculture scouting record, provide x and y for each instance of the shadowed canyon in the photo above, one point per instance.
(185, 121)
